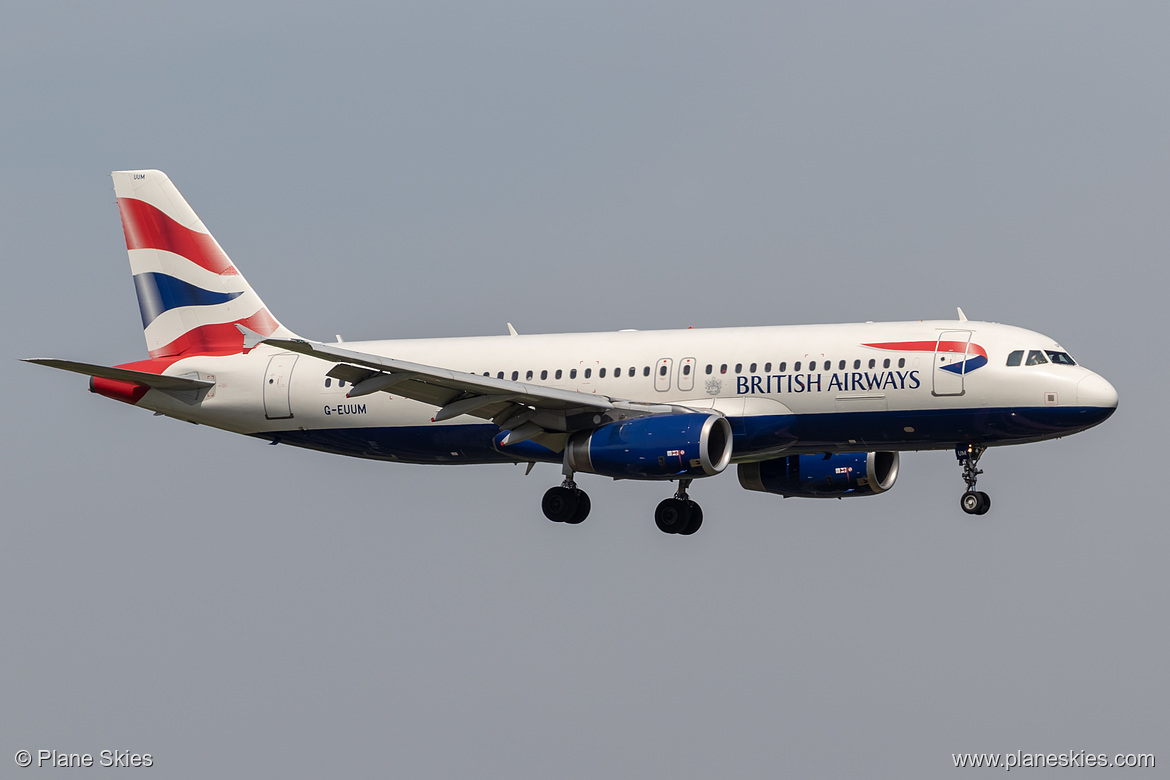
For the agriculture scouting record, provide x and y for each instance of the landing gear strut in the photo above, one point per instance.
(566, 503)
(974, 502)
(679, 515)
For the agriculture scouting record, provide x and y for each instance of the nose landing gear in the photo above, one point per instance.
(973, 502)
(679, 515)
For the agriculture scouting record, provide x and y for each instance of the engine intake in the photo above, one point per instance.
(820, 476)
(659, 447)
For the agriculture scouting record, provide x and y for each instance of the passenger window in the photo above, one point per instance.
(686, 369)
(543, 374)
(709, 367)
(782, 367)
(828, 365)
(341, 383)
(588, 371)
(646, 371)
(1016, 358)
(856, 364)
(797, 366)
(528, 376)
(872, 362)
(328, 381)
(572, 373)
(1036, 358)
(723, 369)
(500, 375)
(752, 368)
(886, 363)
(901, 362)
(600, 374)
(767, 368)
(841, 366)
(515, 375)
(739, 368)
(662, 370)
(633, 371)
(1060, 358)
(557, 375)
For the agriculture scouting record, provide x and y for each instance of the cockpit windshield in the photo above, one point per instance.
(1036, 357)
(1060, 358)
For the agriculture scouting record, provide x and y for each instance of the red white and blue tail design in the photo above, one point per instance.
(190, 294)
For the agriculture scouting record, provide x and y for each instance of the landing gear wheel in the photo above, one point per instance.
(583, 506)
(560, 504)
(696, 520)
(975, 502)
(673, 515)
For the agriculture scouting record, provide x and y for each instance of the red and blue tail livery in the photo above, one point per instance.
(190, 295)
(814, 411)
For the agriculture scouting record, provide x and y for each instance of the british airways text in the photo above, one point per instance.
(843, 381)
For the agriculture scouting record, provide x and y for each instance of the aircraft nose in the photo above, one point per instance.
(1095, 390)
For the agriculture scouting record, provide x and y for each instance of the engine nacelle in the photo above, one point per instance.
(818, 476)
(670, 446)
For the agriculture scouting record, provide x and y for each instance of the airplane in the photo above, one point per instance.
(819, 411)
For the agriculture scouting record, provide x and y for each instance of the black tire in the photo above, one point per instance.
(583, 506)
(971, 501)
(985, 503)
(696, 521)
(560, 504)
(672, 515)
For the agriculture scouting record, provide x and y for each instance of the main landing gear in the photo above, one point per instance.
(679, 515)
(974, 502)
(566, 503)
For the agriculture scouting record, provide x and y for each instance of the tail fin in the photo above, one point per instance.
(189, 293)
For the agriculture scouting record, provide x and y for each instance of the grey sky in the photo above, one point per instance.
(441, 169)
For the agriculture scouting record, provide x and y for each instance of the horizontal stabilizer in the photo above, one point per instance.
(155, 381)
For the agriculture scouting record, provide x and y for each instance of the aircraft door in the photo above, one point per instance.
(277, 382)
(686, 374)
(950, 357)
(662, 374)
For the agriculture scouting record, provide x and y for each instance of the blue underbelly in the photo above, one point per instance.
(753, 436)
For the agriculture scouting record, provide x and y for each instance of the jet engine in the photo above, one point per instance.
(822, 476)
(670, 446)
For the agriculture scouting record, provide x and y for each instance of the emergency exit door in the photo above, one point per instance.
(662, 374)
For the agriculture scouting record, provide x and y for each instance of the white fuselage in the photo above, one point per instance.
(808, 388)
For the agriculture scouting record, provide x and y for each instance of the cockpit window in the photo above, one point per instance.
(1060, 358)
(1036, 358)
(1016, 358)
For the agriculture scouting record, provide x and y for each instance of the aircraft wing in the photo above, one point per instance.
(529, 411)
(156, 381)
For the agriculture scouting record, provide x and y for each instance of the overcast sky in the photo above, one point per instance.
(439, 169)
